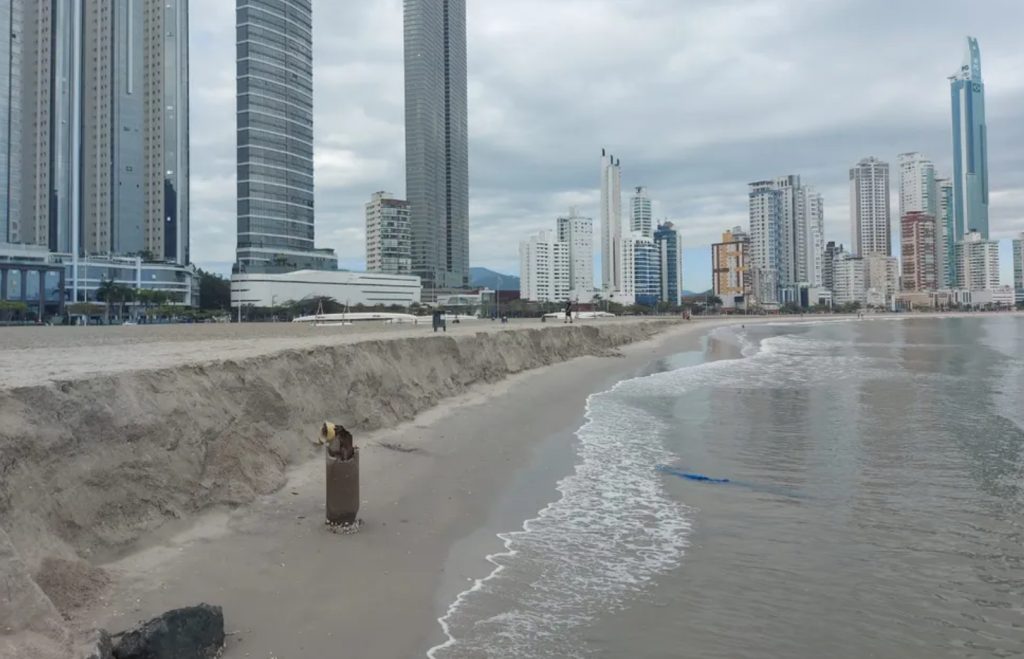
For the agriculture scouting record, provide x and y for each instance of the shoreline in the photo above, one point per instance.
(430, 518)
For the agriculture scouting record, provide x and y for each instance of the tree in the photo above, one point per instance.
(10, 308)
(214, 291)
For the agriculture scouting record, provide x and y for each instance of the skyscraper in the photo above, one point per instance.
(275, 138)
(611, 223)
(666, 239)
(578, 233)
(945, 233)
(388, 236)
(917, 243)
(10, 119)
(917, 185)
(641, 271)
(870, 208)
(437, 141)
(811, 240)
(828, 266)
(105, 162)
(970, 146)
(766, 213)
(977, 263)
(641, 215)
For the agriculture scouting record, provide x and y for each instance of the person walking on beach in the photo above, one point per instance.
(568, 312)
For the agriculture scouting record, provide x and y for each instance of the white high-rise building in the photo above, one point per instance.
(977, 263)
(870, 208)
(641, 216)
(544, 268)
(578, 233)
(388, 235)
(918, 191)
(766, 214)
(810, 250)
(611, 223)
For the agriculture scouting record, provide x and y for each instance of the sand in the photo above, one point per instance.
(127, 444)
(292, 589)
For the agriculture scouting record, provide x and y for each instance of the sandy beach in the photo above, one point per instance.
(292, 589)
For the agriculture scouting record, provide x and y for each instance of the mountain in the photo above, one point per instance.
(484, 278)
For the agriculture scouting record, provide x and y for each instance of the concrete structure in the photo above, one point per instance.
(437, 141)
(730, 270)
(641, 213)
(578, 233)
(970, 146)
(1018, 267)
(348, 288)
(850, 280)
(670, 263)
(388, 235)
(870, 208)
(544, 267)
(645, 274)
(810, 244)
(28, 274)
(918, 245)
(275, 139)
(611, 224)
(992, 298)
(977, 263)
(881, 279)
(945, 233)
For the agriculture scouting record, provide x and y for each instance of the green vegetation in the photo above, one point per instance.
(214, 292)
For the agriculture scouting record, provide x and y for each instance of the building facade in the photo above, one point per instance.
(828, 267)
(578, 233)
(917, 185)
(850, 280)
(611, 223)
(730, 270)
(670, 259)
(766, 213)
(977, 263)
(641, 213)
(945, 233)
(918, 247)
(349, 288)
(970, 146)
(388, 235)
(881, 279)
(11, 36)
(1018, 268)
(544, 267)
(276, 214)
(645, 274)
(437, 140)
(870, 208)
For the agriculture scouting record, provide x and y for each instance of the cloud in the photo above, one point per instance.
(697, 98)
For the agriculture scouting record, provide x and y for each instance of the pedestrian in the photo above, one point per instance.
(568, 312)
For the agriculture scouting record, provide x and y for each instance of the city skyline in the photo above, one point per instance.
(523, 173)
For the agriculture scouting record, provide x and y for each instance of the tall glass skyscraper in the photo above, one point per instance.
(10, 119)
(275, 138)
(437, 141)
(970, 146)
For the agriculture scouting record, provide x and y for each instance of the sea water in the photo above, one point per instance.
(874, 505)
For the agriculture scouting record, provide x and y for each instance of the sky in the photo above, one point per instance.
(696, 97)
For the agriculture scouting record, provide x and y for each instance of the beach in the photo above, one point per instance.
(444, 475)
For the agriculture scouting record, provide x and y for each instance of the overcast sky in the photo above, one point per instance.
(697, 98)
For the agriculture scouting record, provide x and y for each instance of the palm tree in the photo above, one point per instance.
(106, 292)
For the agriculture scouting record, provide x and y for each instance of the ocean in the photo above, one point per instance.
(834, 489)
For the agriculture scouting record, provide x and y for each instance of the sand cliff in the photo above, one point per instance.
(88, 466)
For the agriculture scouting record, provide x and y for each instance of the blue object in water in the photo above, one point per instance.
(700, 478)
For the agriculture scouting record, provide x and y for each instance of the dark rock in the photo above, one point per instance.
(97, 645)
(195, 632)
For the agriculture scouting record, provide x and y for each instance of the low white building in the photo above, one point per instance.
(349, 288)
(1000, 296)
(977, 263)
(544, 268)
